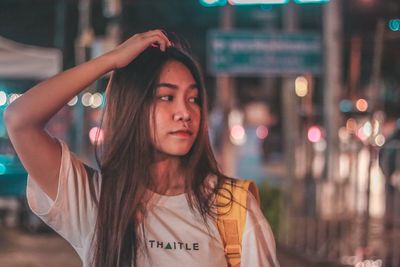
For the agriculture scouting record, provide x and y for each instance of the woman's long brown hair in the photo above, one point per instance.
(127, 154)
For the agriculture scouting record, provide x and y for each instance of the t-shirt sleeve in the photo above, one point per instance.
(73, 213)
(258, 243)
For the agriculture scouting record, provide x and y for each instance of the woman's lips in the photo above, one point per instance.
(182, 133)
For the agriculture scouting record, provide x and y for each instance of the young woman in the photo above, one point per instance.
(151, 202)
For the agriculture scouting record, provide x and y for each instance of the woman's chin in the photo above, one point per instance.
(173, 152)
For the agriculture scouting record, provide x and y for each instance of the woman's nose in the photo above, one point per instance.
(182, 112)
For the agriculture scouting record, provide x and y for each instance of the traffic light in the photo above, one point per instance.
(211, 3)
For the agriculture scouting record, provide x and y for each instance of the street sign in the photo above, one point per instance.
(258, 53)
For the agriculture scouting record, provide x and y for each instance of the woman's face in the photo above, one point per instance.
(175, 112)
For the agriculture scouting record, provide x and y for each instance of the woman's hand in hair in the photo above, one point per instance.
(123, 54)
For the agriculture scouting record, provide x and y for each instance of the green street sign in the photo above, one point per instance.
(245, 53)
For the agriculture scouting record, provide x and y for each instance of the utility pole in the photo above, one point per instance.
(333, 82)
(290, 128)
(59, 36)
(82, 53)
(226, 101)
(332, 28)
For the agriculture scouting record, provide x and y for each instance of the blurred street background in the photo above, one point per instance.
(304, 99)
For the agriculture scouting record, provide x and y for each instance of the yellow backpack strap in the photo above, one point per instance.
(232, 207)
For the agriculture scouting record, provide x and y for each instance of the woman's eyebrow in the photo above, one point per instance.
(174, 86)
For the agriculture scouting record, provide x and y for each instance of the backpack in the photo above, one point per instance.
(231, 219)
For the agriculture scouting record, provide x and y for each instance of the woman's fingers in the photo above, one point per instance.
(161, 33)
(159, 37)
(131, 48)
(156, 39)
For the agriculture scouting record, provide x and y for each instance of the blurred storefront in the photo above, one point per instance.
(21, 66)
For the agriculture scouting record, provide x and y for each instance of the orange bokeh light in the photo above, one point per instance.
(362, 105)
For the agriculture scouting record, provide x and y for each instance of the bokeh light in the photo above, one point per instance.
(97, 100)
(238, 135)
(93, 133)
(367, 129)
(362, 105)
(361, 135)
(380, 140)
(301, 86)
(394, 25)
(87, 99)
(262, 132)
(235, 117)
(3, 98)
(210, 3)
(314, 134)
(3, 168)
(345, 105)
(351, 125)
(73, 101)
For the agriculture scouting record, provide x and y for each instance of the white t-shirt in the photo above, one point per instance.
(175, 236)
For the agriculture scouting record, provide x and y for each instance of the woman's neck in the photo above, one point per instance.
(168, 177)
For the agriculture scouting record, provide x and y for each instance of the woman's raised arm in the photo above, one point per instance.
(27, 116)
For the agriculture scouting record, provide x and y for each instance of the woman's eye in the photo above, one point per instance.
(166, 97)
(194, 100)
